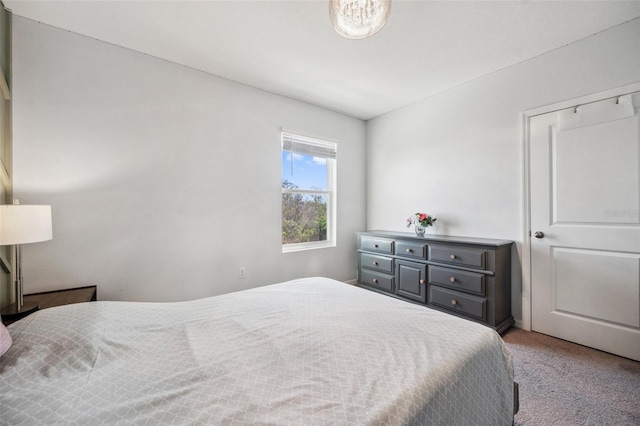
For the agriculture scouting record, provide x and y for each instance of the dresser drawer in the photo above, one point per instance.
(457, 279)
(434, 271)
(471, 257)
(458, 302)
(379, 263)
(378, 245)
(411, 249)
(377, 280)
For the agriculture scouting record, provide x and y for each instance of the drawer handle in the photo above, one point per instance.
(452, 279)
(375, 281)
(375, 263)
(375, 246)
(454, 302)
(409, 251)
(422, 281)
(453, 256)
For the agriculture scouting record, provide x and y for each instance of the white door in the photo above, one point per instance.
(585, 224)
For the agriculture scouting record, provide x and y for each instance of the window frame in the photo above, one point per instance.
(330, 192)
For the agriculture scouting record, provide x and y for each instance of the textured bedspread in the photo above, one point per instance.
(304, 352)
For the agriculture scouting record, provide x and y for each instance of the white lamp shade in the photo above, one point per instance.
(22, 224)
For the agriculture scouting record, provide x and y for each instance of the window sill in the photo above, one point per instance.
(307, 246)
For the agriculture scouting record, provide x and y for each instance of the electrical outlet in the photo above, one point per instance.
(242, 272)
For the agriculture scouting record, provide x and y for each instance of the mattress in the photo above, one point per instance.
(306, 352)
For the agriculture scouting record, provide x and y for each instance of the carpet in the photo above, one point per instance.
(562, 383)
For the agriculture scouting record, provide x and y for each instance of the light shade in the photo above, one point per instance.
(22, 224)
(358, 19)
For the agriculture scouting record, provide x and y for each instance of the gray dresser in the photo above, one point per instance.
(468, 277)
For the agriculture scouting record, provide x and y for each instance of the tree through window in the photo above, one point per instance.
(308, 192)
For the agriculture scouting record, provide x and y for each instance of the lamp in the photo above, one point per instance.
(22, 225)
(358, 19)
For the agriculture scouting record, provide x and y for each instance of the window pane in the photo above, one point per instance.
(304, 218)
(303, 171)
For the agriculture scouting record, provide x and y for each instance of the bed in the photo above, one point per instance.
(312, 351)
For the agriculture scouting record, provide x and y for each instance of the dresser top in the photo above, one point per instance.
(438, 238)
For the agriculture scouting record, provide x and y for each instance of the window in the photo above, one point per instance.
(308, 192)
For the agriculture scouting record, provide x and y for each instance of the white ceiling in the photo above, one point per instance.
(290, 47)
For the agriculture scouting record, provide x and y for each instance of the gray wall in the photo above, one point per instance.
(459, 155)
(163, 180)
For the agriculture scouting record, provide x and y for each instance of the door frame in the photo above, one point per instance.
(526, 321)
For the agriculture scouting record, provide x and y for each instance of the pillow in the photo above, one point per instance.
(5, 339)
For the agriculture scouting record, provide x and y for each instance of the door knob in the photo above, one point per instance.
(539, 234)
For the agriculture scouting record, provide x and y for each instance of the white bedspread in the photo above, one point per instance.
(305, 352)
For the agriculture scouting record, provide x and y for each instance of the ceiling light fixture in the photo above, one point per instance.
(357, 19)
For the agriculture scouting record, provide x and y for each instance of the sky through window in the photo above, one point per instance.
(308, 172)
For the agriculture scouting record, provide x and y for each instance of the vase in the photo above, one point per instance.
(420, 230)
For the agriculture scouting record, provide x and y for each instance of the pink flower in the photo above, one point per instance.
(422, 219)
